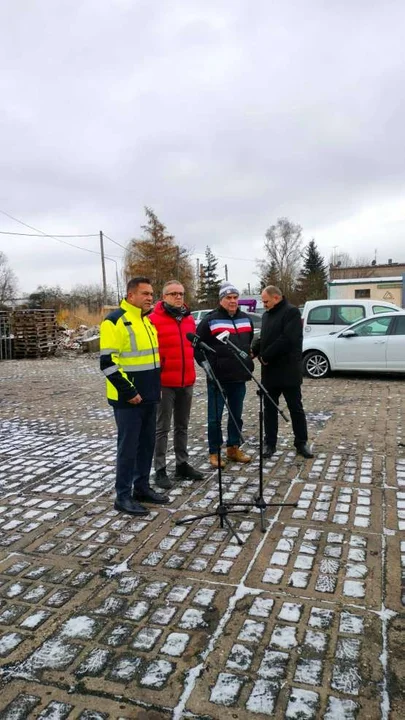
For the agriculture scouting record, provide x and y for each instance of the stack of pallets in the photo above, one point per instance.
(34, 333)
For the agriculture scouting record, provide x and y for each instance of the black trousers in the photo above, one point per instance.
(136, 426)
(293, 398)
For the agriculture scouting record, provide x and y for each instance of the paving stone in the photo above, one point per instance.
(316, 646)
(96, 605)
(321, 562)
(20, 708)
(336, 505)
(302, 704)
(226, 690)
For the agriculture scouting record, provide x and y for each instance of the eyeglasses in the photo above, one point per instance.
(176, 294)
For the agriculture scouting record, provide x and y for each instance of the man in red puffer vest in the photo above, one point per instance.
(173, 321)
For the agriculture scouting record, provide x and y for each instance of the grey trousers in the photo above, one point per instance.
(176, 403)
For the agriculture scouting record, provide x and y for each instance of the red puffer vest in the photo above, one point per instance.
(176, 352)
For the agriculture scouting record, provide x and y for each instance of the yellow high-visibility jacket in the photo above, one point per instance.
(129, 356)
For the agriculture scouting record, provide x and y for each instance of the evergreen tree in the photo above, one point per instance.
(268, 274)
(209, 283)
(313, 278)
(157, 256)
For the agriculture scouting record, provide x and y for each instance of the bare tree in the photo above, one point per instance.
(91, 296)
(283, 246)
(8, 280)
(341, 259)
(340, 262)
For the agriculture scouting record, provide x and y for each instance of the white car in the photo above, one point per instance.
(373, 345)
(199, 314)
(322, 317)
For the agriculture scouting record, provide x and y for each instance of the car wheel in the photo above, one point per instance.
(316, 365)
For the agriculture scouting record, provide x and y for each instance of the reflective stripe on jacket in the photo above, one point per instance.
(129, 356)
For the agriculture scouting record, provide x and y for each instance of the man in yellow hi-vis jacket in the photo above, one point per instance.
(129, 359)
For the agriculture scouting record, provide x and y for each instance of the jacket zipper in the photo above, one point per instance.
(183, 368)
(151, 341)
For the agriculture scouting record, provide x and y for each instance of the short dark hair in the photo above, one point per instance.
(273, 290)
(134, 282)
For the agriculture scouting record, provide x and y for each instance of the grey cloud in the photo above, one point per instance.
(221, 115)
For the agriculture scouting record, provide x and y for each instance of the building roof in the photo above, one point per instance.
(357, 281)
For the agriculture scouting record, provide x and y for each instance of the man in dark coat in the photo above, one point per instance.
(280, 352)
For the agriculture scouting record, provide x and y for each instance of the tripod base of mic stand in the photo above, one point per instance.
(222, 512)
(261, 504)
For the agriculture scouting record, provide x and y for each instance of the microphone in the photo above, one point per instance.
(224, 338)
(197, 342)
(208, 370)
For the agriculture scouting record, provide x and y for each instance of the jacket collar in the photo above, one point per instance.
(131, 309)
(163, 308)
(279, 305)
(225, 313)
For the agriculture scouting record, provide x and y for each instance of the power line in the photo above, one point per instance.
(5, 232)
(53, 237)
(115, 242)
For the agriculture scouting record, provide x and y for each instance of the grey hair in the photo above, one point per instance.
(170, 282)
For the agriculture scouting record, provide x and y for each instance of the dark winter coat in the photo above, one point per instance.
(225, 365)
(176, 352)
(280, 345)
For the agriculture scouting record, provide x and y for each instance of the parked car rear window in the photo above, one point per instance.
(320, 315)
(380, 308)
(348, 314)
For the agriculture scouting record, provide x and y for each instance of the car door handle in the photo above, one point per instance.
(379, 342)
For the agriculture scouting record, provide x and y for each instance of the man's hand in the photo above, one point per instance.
(135, 400)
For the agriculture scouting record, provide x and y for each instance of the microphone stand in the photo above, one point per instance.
(260, 502)
(222, 510)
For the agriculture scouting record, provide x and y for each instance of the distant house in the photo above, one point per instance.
(377, 282)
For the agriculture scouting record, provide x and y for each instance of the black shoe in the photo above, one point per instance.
(151, 496)
(304, 451)
(132, 507)
(162, 480)
(185, 471)
(268, 451)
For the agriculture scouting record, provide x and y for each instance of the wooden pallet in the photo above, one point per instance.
(34, 333)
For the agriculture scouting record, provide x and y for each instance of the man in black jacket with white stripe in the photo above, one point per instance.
(228, 370)
(280, 352)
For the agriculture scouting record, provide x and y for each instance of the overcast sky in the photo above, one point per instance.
(222, 115)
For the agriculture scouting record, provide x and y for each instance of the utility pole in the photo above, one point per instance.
(103, 268)
(118, 284)
(226, 273)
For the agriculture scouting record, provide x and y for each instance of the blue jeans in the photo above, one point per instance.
(235, 394)
(136, 426)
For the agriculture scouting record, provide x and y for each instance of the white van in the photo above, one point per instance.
(321, 317)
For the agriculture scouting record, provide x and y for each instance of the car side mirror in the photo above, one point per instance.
(348, 334)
